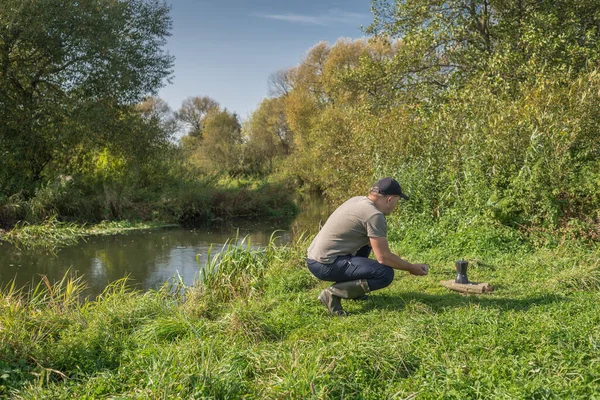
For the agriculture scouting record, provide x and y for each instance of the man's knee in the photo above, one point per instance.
(387, 276)
(383, 278)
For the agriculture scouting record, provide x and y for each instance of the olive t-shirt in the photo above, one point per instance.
(347, 230)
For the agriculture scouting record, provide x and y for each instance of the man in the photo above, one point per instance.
(340, 251)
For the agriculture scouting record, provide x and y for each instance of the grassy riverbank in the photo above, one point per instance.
(256, 330)
(52, 233)
(49, 223)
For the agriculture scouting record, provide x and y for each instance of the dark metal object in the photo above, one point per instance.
(461, 272)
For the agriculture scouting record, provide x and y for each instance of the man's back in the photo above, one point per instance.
(348, 229)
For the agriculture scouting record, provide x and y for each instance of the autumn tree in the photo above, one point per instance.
(325, 98)
(280, 83)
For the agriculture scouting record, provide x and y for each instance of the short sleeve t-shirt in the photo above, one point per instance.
(347, 230)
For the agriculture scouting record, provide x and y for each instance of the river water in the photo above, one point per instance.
(149, 258)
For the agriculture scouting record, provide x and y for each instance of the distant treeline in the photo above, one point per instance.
(488, 112)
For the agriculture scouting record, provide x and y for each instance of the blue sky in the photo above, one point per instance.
(227, 49)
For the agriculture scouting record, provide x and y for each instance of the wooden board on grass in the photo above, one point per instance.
(472, 287)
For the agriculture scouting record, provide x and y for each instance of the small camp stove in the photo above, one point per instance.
(462, 284)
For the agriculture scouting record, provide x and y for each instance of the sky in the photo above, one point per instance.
(226, 49)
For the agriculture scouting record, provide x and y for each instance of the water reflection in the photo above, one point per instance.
(149, 258)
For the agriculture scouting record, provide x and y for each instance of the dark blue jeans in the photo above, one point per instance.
(350, 268)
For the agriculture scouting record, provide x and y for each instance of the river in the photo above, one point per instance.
(149, 258)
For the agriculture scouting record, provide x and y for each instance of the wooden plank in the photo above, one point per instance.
(471, 287)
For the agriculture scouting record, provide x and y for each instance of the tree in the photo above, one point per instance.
(330, 87)
(279, 83)
(221, 142)
(157, 112)
(66, 68)
(192, 113)
(445, 40)
(267, 135)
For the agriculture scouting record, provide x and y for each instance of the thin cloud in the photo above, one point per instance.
(330, 18)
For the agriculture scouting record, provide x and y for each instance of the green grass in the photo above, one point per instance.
(53, 234)
(255, 330)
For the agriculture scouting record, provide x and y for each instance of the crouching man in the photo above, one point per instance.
(340, 251)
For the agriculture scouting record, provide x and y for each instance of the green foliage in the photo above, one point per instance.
(521, 161)
(453, 40)
(50, 234)
(197, 204)
(108, 185)
(191, 203)
(53, 234)
(214, 141)
(221, 142)
(267, 138)
(69, 71)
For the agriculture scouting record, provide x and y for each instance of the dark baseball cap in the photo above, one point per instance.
(390, 187)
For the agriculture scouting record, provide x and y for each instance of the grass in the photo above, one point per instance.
(53, 234)
(255, 330)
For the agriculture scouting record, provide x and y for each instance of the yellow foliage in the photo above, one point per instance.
(107, 165)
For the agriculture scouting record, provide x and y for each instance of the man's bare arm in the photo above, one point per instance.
(384, 256)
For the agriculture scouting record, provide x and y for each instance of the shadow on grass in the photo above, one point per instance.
(441, 302)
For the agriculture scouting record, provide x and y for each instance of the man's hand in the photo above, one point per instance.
(384, 256)
(419, 269)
